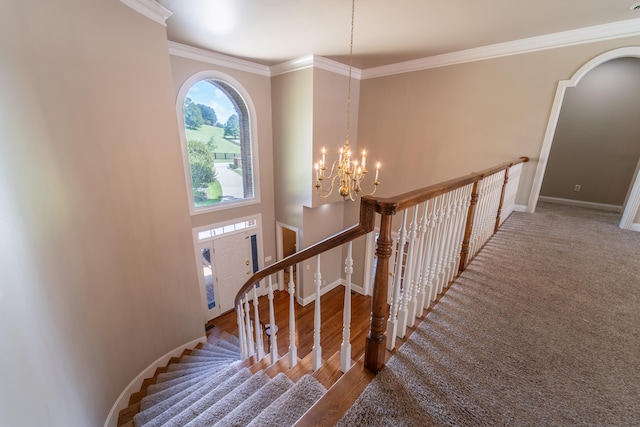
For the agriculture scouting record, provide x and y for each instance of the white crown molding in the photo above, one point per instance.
(315, 61)
(592, 34)
(151, 9)
(202, 55)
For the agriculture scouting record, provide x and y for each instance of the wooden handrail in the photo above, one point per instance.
(392, 205)
(386, 207)
(364, 226)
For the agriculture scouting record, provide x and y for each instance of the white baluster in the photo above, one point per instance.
(258, 327)
(440, 243)
(441, 234)
(345, 348)
(463, 204)
(250, 342)
(452, 234)
(317, 349)
(403, 313)
(417, 269)
(430, 290)
(392, 323)
(242, 335)
(273, 338)
(447, 241)
(427, 248)
(293, 350)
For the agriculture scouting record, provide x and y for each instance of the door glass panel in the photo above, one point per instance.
(207, 271)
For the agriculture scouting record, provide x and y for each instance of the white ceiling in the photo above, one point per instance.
(271, 32)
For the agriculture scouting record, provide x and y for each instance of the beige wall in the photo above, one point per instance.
(259, 89)
(597, 140)
(432, 125)
(330, 92)
(292, 103)
(96, 259)
(322, 222)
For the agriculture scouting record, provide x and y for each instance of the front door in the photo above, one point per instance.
(233, 260)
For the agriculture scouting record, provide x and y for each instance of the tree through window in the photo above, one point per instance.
(218, 144)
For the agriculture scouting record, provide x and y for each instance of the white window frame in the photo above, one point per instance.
(182, 93)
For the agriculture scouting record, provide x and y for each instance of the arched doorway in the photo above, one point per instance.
(633, 201)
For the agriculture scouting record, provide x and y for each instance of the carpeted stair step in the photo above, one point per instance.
(212, 392)
(291, 405)
(184, 372)
(225, 344)
(176, 393)
(210, 385)
(211, 350)
(207, 359)
(260, 400)
(182, 366)
(184, 379)
(206, 412)
(230, 378)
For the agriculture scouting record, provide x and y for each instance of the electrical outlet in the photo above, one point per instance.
(577, 187)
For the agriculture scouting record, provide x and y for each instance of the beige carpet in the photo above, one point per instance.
(543, 329)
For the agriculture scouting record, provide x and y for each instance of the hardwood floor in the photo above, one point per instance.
(330, 332)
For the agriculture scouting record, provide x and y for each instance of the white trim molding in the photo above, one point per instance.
(151, 9)
(209, 57)
(634, 197)
(591, 34)
(123, 400)
(311, 298)
(582, 204)
(315, 61)
(615, 30)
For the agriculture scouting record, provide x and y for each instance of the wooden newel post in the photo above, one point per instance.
(504, 188)
(374, 353)
(468, 228)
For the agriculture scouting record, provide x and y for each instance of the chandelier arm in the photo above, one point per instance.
(329, 190)
(324, 176)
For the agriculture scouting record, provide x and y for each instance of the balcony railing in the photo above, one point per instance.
(442, 228)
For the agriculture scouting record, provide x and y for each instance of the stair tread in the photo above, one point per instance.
(189, 365)
(206, 412)
(168, 383)
(330, 371)
(250, 408)
(261, 364)
(330, 408)
(302, 368)
(181, 412)
(170, 407)
(171, 393)
(282, 365)
(291, 405)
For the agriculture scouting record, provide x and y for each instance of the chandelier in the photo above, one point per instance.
(346, 173)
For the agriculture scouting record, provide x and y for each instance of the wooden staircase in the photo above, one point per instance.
(342, 389)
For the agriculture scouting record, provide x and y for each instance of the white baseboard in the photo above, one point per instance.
(134, 386)
(519, 208)
(311, 298)
(357, 288)
(340, 282)
(635, 226)
(583, 204)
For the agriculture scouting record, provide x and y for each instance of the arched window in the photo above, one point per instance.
(217, 143)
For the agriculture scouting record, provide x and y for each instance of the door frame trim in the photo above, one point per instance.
(197, 242)
(634, 197)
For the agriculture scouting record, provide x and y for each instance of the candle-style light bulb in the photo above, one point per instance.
(377, 171)
(364, 158)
